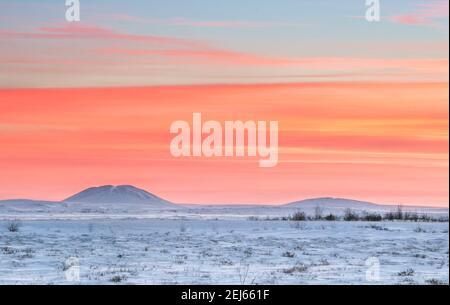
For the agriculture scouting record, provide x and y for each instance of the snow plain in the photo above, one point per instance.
(179, 249)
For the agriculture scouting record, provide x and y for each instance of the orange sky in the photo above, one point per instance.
(384, 142)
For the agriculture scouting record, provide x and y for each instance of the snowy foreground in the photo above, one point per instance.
(223, 251)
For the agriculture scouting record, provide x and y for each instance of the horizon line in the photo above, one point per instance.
(232, 84)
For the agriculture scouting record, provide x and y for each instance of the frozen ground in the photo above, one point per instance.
(226, 251)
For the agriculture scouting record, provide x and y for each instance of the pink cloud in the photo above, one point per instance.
(424, 14)
(217, 56)
(410, 20)
(77, 31)
(204, 55)
(435, 9)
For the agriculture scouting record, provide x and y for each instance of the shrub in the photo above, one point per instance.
(318, 213)
(435, 282)
(419, 229)
(425, 218)
(330, 217)
(372, 217)
(253, 218)
(13, 226)
(378, 228)
(298, 216)
(396, 215)
(350, 215)
(399, 213)
(296, 269)
(407, 272)
(389, 216)
(118, 278)
(288, 254)
(442, 219)
(411, 216)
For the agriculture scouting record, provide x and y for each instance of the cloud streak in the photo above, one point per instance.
(80, 31)
(424, 14)
(217, 56)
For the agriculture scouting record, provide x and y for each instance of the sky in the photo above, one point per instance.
(362, 106)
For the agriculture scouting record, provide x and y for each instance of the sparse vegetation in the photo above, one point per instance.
(378, 228)
(435, 282)
(27, 253)
(288, 254)
(13, 226)
(118, 278)
(20, 253)
(419, 229)
(300, 268)
(268, 218)
(248, 252)
(243, 270)
(372, 217)
(411, 216)
(395, 215)
(8, 250)
(407, 272)
(330, 217)
(350, 215)
(318, 211)
(298, 216)
(399, 213)
(253, 218)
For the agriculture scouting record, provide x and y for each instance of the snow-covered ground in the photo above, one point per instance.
(195, 250)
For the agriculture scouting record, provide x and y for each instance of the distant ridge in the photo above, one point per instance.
(122, 198)
(116, 194)
(331, 202)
